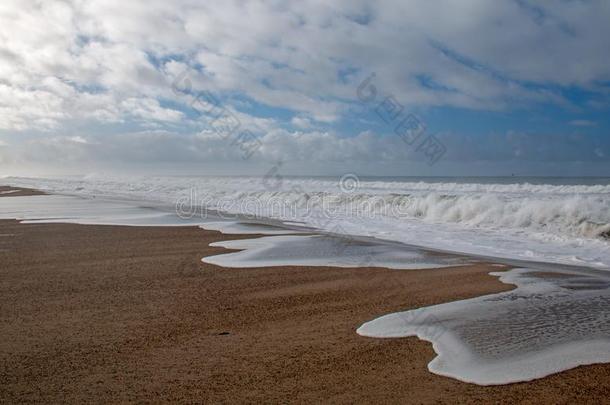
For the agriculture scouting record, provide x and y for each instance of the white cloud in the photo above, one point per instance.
(58, 57)
(301, 122)
(313, 148)
(74, 70)
(583, 123)
(149, 109)
(77, 139)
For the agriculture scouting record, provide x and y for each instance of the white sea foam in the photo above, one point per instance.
(245, 228)
(324, 250)
(91, 211)
(546, 325)
(544, 222)
(69, 209)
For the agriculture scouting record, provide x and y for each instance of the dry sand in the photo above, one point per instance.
(109, 314)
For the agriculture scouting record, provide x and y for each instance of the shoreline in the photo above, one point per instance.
(9, 191)
(115, 313)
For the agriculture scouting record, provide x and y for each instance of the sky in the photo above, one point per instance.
(401, 88)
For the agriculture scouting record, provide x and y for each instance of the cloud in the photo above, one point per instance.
(583, 123)
(307, 57)
(149, 109)
(101, 71)
(301, 122)
(313, 147)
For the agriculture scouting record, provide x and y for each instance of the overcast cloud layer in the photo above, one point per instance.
(88, 83)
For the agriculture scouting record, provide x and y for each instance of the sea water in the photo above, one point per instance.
(558, 220)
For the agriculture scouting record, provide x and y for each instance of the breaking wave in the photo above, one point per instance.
(570, 218)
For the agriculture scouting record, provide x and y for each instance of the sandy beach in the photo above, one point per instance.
(131, 314)
(304, 202)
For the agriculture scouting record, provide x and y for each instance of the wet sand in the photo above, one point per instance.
(7, 191)
(109, 314)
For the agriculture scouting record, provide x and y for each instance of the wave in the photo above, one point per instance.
(570, 216)
(516, 188)
(575, 215)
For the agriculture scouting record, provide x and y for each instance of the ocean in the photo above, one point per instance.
(545, 219)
